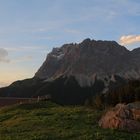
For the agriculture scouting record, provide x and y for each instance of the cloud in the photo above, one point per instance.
(26, 48)
(129, 39)
(4, 55)
(72, 31)
(23, 59)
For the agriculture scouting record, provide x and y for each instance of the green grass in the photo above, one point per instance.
(48, 121)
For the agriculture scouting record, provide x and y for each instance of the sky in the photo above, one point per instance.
(29, 29)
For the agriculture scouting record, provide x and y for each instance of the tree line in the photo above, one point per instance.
(127, 93)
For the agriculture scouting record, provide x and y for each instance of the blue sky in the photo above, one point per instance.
(29, 29)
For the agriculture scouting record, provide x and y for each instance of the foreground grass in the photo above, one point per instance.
(48, 121)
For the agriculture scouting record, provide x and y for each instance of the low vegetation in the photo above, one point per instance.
(129, 92)
(45, 120)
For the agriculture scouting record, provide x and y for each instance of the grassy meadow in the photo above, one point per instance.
(45, 120)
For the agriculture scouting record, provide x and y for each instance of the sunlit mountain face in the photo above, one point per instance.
(74, 72)
(30, 29)
(69, 67)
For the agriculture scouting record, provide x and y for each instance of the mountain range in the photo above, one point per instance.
(75, 72)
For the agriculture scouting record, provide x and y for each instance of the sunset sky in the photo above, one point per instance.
(29, 29)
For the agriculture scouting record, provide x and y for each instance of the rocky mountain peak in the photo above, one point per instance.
(75, 72)
(136, 51)
(90, 58)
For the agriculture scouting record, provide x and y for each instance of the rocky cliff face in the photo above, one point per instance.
(90, 60)
(74, 73)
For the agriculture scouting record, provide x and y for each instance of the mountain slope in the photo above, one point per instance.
(90, 60)
(75, 72)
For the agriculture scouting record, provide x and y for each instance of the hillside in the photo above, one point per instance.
(49, 121)
(90, 60)
(73, 73)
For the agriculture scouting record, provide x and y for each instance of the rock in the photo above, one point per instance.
(123, 117)
(89, 58)
(135, 105)
(130, 125)
(135, 108)
(136, 114)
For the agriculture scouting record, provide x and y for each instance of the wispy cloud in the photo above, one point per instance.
(72, 31)
(22, 48)
(22, 59)
(129, 39)
(34, 30)
(4, 55)
(44, 37)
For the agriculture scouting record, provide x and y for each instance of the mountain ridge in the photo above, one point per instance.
(74, 72)
(90, 59)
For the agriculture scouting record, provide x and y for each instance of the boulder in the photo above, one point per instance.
(123, 117)
(136, 114)
(135, 108)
